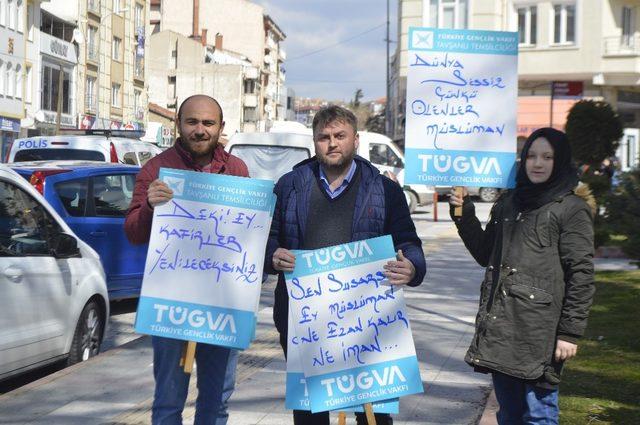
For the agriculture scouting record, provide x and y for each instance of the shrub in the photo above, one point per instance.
(622, 212)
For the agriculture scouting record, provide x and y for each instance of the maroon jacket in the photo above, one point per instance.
(137, 225)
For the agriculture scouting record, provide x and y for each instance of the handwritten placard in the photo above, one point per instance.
(297, 395)
(350, 326)
(203, 271)
(462, 88)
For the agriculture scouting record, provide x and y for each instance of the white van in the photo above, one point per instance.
(270, 155)
(93, 145)
(387, 156)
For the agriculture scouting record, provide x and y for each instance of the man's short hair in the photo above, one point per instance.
(332, 113)
(200, 95)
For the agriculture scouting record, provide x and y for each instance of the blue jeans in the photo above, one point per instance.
(523, 403)
(216, 368)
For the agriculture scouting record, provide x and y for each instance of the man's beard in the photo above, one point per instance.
(337, 167)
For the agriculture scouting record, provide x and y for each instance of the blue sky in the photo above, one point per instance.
(335, 73)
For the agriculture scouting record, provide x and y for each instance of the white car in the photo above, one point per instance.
(53, 295)
(95, 145)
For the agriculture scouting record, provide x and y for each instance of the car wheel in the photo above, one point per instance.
(412, 200)
(88, 334)
(488, 194)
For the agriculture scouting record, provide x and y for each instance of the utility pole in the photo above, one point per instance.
(387, 107)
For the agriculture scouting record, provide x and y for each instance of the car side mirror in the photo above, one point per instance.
(64, 246)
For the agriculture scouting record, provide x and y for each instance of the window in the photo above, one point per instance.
(564, 23)
(144, 157)
(20, 15)
(116, 6)
(50, 84)
(3, 12)
(2, 85)
(18, 82)
(448, 13)
(527, 25)
(174, 58)
(92, 43)
(9, 81)
(116, 45)
(249, 86)
(139, 16)
(250, 114)
(171, 88)
(30, 22)
(29, 88)
(91, 98)
(51, 25)
(382, 155)
(628, 23)
(26, 228)
(93, 5)
(73, 196)
(137, 105)
(130, 158)
(112, 194)
(115, 95)
(11, 12)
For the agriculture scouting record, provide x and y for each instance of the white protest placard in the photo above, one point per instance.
(203, 272)
(462, 88)
(351, 327)
(297, 395)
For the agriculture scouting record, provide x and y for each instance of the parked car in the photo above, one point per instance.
(93, 198)
(270, 155)
(53, 294)
(91, 145)
(387, 156)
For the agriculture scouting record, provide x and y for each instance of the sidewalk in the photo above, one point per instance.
(117, 386)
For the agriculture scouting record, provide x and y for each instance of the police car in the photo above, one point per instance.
(122, 147)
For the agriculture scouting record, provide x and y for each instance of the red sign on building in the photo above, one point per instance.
(566, 89)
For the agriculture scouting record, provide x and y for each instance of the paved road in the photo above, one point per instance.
(117, 386)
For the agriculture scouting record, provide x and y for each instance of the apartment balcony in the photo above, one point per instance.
(271, 43)
(91, 104)
(620, 61)
(621, 45)
(93, 6)
(251, 73)
(250, 100)
(93, 53)
(282, 54)
(138, 68)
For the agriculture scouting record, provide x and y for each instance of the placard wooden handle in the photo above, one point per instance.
(368, 410)
(457, 211)
(188, 356)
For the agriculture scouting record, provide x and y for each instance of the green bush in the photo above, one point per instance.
(622, 212)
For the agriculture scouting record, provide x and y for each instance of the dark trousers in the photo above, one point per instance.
(305, 417)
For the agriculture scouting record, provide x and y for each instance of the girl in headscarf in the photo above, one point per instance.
(537, 248)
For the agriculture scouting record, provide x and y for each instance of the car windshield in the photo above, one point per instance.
(42, 154)
(269, 162)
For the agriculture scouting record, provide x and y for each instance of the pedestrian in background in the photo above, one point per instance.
(538, 252)
(197, 149)
(334, 198)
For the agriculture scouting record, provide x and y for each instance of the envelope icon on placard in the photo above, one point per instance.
(423, 39)
(176, 184)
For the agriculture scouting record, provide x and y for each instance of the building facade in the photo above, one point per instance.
(246, 32)
(92, 52)
(180, 66)
(12, 69)
(593, 45)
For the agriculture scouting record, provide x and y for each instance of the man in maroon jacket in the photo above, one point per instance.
(197, 149)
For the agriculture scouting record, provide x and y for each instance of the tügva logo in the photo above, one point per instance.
(364, 380)
(338, 254)
(194, 318)
(460, 164)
